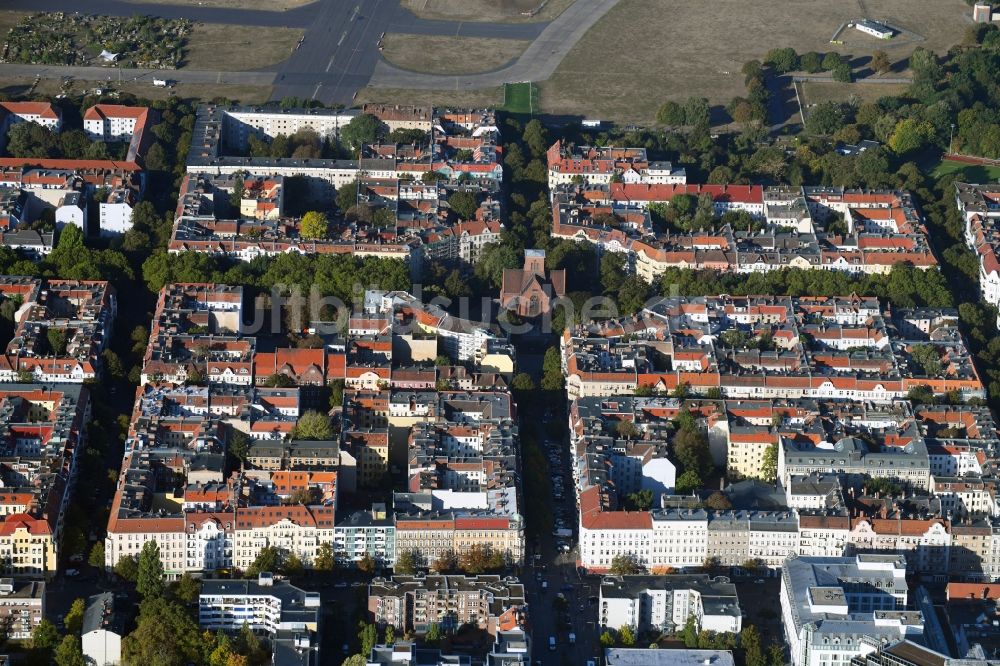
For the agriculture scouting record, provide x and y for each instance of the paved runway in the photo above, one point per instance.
(340, 52)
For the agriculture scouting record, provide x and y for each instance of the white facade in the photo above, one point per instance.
(102, 647)
(112, 128)
(116, 218)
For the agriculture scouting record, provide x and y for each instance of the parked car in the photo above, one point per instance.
(76, 559)
(72, 573)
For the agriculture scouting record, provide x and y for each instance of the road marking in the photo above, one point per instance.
(330, 65)
(343, 36)
(316, 92)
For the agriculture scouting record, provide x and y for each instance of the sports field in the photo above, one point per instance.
(521, 98)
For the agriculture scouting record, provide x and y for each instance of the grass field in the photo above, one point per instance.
(263, 5)
(972, 173)
(492, 11)
(454, 98)
(8, 20)
(218, 46)
(450, 55)
(640, 54)
(245, 94)
(520, 98)
(822, 91)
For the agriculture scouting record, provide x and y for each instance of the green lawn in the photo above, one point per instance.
(520, 98)
(970, 173)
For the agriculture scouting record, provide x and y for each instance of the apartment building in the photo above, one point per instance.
(835, 609)
(41, 113)
(43, 432)
(114, 122)
(711, 343)
(979, 205)
(61, 332)
(414, 603)
(665, 603)
(594, 165)
(288, 616)
(22, 607)
(781, 227)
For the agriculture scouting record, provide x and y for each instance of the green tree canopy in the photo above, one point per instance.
(313, 425)
(314, 225)
(165, 635)
(149, 579)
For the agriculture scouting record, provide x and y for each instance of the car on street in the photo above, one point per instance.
(72, 573)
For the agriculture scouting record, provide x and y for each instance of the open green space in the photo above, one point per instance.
(971, 173)
(520, 98)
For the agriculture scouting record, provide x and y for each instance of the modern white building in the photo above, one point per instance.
(664, 603)
(838, 608)
(266, 605)
(102, 632)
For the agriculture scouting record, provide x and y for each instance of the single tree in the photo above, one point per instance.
(366, 564)
(880, 62)
(406, 563)
(718, 501)
(269, 558)
(127, 568)
(626, 565)
(74, 616)
(314, 225)
(313, 425)
(187, 589)
(149, 579)
(96, 558)
(626, 636)
(325, 558)
(769, 468)
(69, 652)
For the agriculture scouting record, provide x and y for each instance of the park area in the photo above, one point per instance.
(640, 55)
(450, 55)
(487, 11)
(969, 173)
(58, 38)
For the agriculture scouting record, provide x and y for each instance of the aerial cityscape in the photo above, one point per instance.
(499, 333)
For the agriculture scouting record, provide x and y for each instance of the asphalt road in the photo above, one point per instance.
(337, 57)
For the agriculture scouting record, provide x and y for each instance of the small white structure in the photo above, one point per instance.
(116, 212)
(72, 209)
(102, 631)
(875, 29)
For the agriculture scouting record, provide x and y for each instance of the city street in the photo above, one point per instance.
(550, 573)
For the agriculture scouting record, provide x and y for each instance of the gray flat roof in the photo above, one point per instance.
(635, 657)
